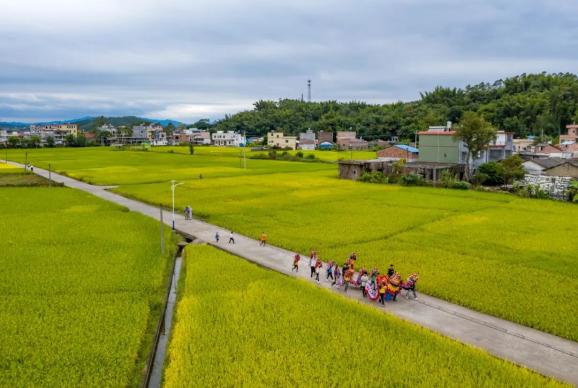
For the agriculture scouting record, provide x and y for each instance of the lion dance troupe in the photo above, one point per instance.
(373, 284)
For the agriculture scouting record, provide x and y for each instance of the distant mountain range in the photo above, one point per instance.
(88, 123)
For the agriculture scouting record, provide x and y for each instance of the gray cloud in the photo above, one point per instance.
(192, 59)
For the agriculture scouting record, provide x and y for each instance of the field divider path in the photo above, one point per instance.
(542, 352)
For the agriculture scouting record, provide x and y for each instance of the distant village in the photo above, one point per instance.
(434, 150)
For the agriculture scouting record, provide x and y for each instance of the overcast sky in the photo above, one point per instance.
(191, 59)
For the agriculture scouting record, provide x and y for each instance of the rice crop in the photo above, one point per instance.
(238, 324)
(500, 254)
(81, 282)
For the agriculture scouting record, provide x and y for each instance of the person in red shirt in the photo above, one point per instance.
(296, 259)
(318, 267)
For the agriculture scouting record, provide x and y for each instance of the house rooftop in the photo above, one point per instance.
(437, 133)
(407, 148)
(548, 163)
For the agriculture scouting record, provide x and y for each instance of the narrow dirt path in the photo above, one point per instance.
(542, 352)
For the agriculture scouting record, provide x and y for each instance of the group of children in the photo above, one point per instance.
(372, 283)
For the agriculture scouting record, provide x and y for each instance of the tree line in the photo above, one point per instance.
(527, 104)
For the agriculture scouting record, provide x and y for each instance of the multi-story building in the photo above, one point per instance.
(141, 132)
(181, 137)
(228, 139)
(3, 137)
(158, 136)
(58, 132)
(279, 140)
(200, 137)
(154, 134)
(307, 140)
(439, 145)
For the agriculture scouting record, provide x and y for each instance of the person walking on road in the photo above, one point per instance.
(312, 264)
(318, 267)
(337, 275)
(382, 293)
(329, 273)
(231, 238)
(296, 260)
(217, 237)
(263, 239)
(364, 280)
(347, 278)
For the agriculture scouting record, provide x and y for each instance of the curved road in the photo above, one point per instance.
(542, 352)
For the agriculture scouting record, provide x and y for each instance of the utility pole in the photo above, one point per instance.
(308, 90)
(26, 161)
(49, 175)
(162, 231)
(173, 187)
(244, 152)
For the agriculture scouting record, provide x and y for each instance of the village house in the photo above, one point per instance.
(107, 128)
(545, 150)
(158, 136)
(228, 139)
(521, 145)
(325, 137)
(570, 150)
(201, 137)
(552, 167)
(307, 140)
(439, 145)
(571, 136)
(399, 151)
(279, 140)
(154, 134)
(379, 143)
(181, 137)
(58, 132)
(347, 140)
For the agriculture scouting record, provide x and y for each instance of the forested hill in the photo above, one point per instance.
(525, 104)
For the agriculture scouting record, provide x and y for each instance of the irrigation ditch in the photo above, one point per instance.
(153, 373)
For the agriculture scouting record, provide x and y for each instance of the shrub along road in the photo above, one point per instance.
(542, 352)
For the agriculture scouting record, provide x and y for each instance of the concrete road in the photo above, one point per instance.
(536, 350)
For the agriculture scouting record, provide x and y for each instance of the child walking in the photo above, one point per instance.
(296, 259)
(263, 239)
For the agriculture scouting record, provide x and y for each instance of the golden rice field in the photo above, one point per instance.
(327, 156)
(237, 322)
(500, 254)
(81, 284)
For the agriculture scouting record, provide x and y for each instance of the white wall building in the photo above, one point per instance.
(108, 128)
(228, 139)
